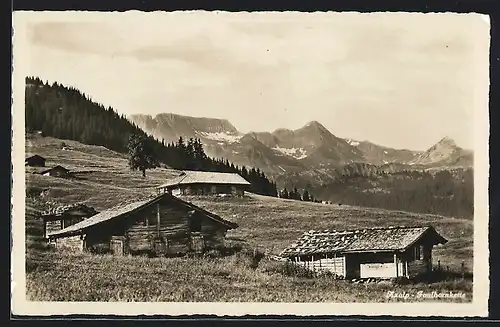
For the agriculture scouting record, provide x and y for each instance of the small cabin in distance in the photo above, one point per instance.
(60, 217)
(57, 171)
(160, 225)
(205, 183)
(368, 253)
(35, 161)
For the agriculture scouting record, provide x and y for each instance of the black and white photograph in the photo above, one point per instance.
(231, 163)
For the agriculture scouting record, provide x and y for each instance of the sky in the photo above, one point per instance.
(395, 79)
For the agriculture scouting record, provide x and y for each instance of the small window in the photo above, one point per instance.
(149, 221)
(152, 220)
(418, 252)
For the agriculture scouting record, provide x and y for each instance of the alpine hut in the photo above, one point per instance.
(57, 171)
(35, 161)
(205, 183)
(60, 217)
(160, 225)
(367, 253)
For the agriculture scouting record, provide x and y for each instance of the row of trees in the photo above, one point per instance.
(295, 195)
(66, 113)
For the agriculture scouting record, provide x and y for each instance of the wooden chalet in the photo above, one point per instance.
(57, 171)
(367, 253)
(35, 161)
(205, 183)
(60, 217)
(161, 225)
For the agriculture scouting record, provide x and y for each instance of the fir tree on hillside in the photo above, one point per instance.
(305, 196)
(141, 154)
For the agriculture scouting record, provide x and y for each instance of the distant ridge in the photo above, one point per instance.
(285, 150)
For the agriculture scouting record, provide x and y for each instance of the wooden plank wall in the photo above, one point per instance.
(74, 243)
(52, 226)
(417, 267)
(213, 233)
(173, 228)
(333, 265)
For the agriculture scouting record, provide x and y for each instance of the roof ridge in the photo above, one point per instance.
(210, 172)
(366, 228)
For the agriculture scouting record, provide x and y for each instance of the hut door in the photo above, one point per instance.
(197, 243)
(160, 247)
(117, 247)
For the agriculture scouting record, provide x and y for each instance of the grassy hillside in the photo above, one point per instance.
(268, 224)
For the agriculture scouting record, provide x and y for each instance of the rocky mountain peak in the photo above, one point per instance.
(447, 141)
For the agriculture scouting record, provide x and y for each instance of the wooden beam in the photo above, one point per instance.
(158, 218)
(396, 263)
(344, 270)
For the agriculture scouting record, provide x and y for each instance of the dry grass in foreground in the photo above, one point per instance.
(53, 276)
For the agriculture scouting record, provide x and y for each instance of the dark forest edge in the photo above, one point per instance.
(66, 113)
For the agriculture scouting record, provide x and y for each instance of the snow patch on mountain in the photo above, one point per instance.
(224, 137)
(352, 142)
(299, 153)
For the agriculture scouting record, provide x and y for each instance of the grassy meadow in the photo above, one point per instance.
(266, 224)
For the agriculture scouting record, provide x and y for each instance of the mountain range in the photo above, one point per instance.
(308, 155)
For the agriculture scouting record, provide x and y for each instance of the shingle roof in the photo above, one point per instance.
(127, 208)
(361, 240)
(62, 209)
(58, 167)
(206, 177)
(33, 157)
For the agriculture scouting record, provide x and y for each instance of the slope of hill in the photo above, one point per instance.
(249, 151)
(379, 155)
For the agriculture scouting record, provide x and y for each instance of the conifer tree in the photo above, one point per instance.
(305, 196)
(141, 154)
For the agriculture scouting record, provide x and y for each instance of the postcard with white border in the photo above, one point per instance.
(250, 163)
